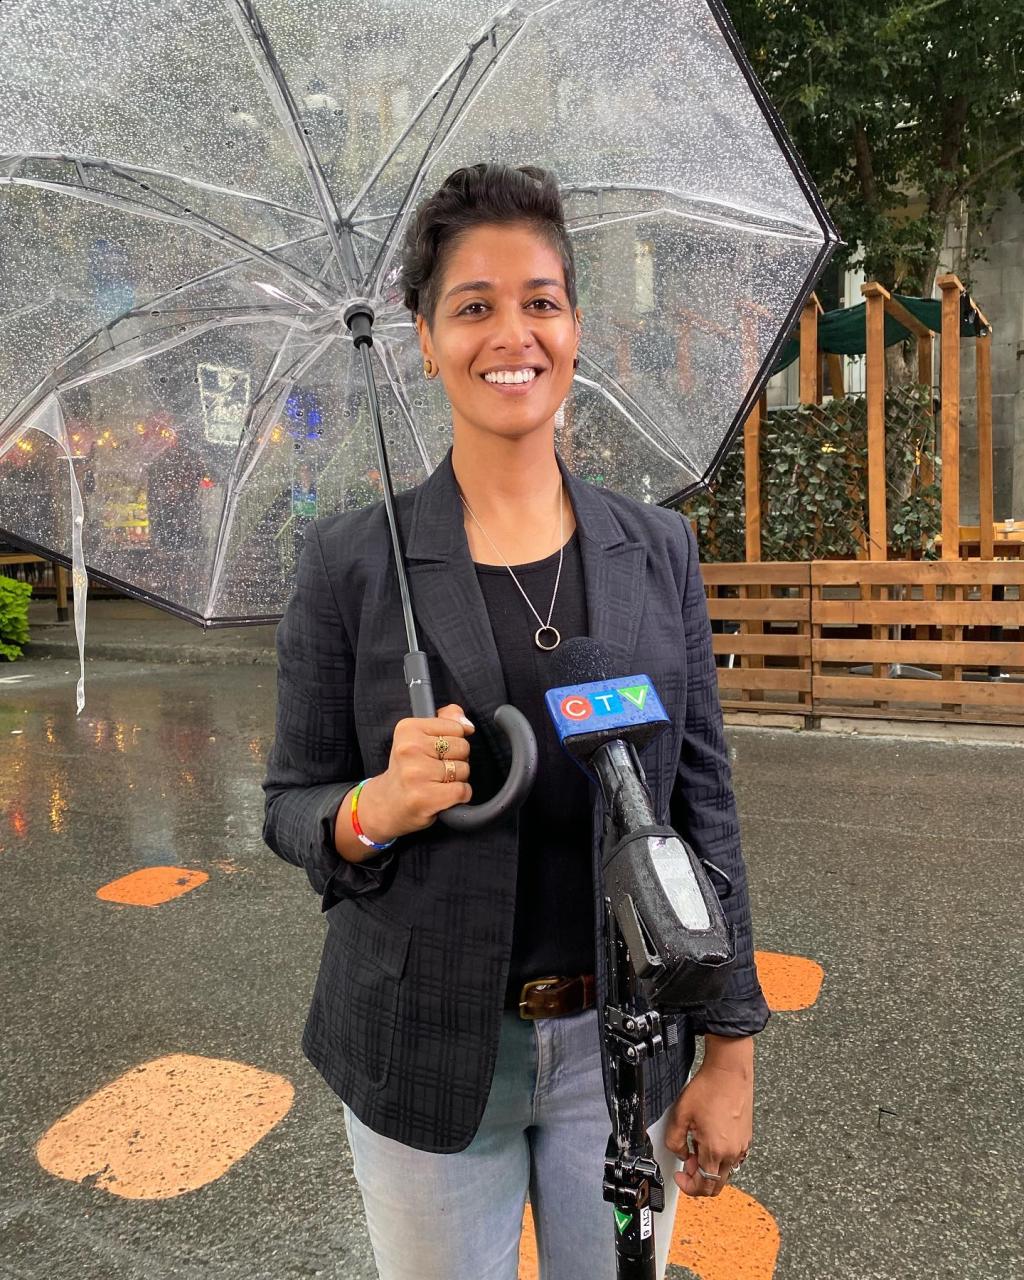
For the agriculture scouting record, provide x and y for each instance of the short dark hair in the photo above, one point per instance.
(480, 195)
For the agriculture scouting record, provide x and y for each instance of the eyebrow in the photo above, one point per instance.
(481, 286)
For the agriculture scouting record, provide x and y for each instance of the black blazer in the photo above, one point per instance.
(406, 1012)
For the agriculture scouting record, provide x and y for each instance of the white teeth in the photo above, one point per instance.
(511, 375)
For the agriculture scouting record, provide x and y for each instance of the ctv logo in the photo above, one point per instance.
(604, 702)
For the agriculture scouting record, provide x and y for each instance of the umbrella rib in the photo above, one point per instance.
(616, 394)
(457, 68)
(189, 215)
(207, 276)
(150, 171)
(88, 371)
(750, 219)
(413, 187)
(237, 479)
(457, 72)
(750, 227)
(27, 310)
(269, 70)
(194, 222)
(394, 377)
(169, 344)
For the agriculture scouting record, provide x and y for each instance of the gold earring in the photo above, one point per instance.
(429, 368)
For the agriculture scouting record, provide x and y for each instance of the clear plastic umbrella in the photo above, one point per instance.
(193, 192)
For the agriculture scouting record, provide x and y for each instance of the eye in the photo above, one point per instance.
(468, 310)
(545, 304)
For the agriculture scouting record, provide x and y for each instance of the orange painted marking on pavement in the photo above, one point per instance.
(166, 1127)
(730, 1236)
(529, 1268)
(788, 982)
(151, 886)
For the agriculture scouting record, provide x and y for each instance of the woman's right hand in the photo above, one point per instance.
(412, 791)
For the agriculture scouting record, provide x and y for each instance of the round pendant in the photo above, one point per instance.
(547, 633)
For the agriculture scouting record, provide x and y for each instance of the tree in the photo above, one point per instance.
(906, 112)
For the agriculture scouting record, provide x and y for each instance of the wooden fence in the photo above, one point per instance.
(922, 640)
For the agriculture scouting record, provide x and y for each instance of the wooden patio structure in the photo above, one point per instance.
(796, 631)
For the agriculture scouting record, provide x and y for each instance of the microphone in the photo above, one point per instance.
(680, 943)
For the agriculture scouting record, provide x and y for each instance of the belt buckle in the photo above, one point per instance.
(535, 984)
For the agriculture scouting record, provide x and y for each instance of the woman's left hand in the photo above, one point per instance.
(717, 1108)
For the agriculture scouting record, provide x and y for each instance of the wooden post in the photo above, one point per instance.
(924, 358)
(60, 578)
(752, 482)
(925, 374)
(809, 363)
(983, 360)
(875, 296)
(950, 393)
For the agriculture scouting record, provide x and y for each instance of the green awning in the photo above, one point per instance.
(843, 332)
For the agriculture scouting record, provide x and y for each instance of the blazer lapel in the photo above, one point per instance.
(449, 605)
(614, 572)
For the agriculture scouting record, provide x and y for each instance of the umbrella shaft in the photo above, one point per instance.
(389, 502)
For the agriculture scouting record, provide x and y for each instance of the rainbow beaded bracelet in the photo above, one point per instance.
(370, 844)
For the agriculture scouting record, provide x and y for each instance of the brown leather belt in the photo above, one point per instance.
(555, 997)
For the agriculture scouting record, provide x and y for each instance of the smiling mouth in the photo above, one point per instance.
(511, 377)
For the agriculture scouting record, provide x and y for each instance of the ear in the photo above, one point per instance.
(426, 346)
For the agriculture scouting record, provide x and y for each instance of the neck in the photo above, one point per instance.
(509, 482)
(512, 486)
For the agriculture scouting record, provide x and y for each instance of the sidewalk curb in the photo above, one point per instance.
(177, 655)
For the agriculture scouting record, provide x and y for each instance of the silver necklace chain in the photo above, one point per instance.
(544, 626)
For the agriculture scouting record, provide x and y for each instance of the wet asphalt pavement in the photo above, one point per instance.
(889, 1126)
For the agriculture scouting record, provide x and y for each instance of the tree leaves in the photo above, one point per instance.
(901, 109)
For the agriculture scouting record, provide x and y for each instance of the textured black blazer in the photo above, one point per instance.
(407, 1007)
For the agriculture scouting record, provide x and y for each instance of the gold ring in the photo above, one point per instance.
(441, 746)
(449, 770)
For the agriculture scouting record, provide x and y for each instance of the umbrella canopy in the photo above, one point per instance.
(192, 192)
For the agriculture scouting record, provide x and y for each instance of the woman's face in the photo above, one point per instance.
(503, 313)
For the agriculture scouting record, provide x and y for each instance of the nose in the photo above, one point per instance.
(512, 331)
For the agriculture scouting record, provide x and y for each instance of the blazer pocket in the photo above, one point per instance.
(369, 950)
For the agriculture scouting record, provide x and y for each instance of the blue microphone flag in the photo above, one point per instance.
(611, 708)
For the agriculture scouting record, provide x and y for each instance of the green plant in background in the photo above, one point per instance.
(718, 512)
(13, 617)
(814, 484)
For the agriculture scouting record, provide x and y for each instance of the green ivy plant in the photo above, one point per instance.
(14, 598)
(814, 484)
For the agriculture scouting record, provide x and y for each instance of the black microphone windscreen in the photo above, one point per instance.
(580, 660)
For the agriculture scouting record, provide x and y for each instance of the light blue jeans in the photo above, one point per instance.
(544, 1131)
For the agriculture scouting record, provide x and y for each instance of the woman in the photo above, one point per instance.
(467, 1082)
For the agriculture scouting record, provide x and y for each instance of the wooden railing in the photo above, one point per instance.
(924, 640)
(764, 612)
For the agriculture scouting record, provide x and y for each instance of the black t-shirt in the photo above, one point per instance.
(554, 922)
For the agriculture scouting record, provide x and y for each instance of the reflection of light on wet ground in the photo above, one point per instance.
(258, 749)
(19, 823)
(187, 777)
(58, 808)
(117, 733)
(49, 732)
(166, 1127)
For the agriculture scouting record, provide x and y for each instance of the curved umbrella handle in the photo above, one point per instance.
(516, 728)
